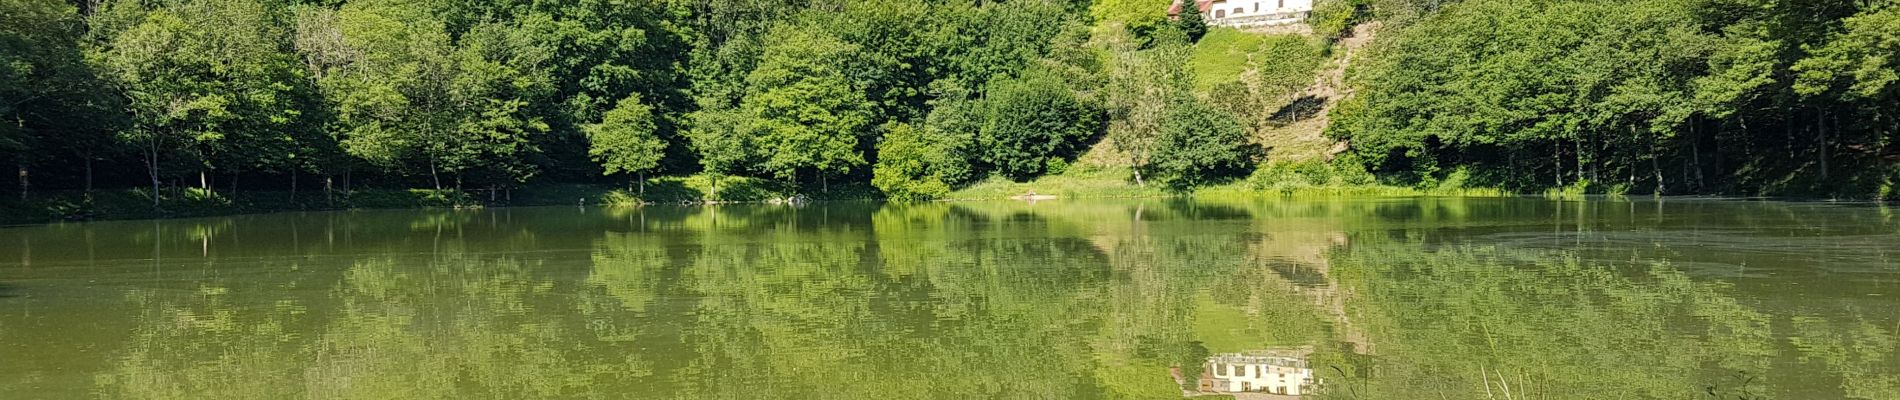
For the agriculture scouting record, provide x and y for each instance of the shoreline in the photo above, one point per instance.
(120, 205)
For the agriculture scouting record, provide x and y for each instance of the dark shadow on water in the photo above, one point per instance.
(1189, 209)
(8, 291)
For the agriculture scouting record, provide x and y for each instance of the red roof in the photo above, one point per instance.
(1175, 9)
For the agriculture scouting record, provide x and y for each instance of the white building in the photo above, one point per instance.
(1249, 13)
(1262, 372)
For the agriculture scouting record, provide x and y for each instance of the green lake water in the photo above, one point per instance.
(1346, 299)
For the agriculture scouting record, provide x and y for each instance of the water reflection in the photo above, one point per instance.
(1332, 299)
(1256, 374)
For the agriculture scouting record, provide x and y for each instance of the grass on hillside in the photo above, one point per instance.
(1075, 183)
(1222, 56)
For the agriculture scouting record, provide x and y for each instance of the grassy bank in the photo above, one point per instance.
(40, 207)
(1289, 180)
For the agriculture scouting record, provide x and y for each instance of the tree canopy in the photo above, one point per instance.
(920, 98)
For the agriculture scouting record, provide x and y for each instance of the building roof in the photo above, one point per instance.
(1204, 5)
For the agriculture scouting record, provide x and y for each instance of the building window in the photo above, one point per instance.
(1239, 10)
(1220, 13)
(1282, 3)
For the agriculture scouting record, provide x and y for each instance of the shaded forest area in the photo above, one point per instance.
(1745, 97)
(192, 97)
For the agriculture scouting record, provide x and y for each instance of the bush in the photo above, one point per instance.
(1331, 18)
(918, 164)
(1032, 119)
(1201, 145)
(1287, 177)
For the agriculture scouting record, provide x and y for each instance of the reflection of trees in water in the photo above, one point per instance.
(1866, 356)
(956, 300)
(1461, 322)
(444, 326)
(793, 310)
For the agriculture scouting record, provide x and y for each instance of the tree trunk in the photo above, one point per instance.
(151, 166)
(1577, 146)
(1630, 168)
(293, 186)
(643, 186)
(1138, 181)
(1695, 153)
(1655, 165)
(434, 178)
(1788, 129)
(26, 182)
(1557, 161)
(88, 174)
(1820, 124)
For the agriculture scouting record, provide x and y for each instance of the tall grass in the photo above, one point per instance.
(1315, 179)
(1074, 183)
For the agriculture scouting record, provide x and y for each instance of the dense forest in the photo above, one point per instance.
(919, 98)
(1649, 96)
(446, 94)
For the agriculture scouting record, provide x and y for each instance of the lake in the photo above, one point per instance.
(1330, 299)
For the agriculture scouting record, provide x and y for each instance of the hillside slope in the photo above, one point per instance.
(1296, 130)
(1302, 137)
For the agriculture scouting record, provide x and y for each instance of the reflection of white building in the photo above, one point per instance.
(1264, 372)
(1249, 13)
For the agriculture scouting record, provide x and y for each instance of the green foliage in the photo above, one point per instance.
(56, 111)
(417, 99)
(1666, 96)
(1142, 86)
(1035, 122)
(919, 164)
(803, 109)
(1138, 16)
(626, 139)
(1332, 18)
(1201, 145)
(1863, 61)
(1190, 21)
(1254, 76)
(1284, 64)
(1283, 177)
(1650, 93)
